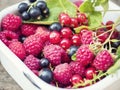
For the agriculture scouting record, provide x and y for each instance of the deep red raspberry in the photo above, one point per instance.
(7, 36)
(77, 68)
(43, 33)
(87, 37)
(33, 45)
(32, 62)
(18, 48)
(28, 29)
(11, 22)
(55, 54)
(62, 74)
(103, 60)
(84, 55)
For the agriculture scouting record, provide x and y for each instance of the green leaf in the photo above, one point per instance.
(118, 51)
(95, 19)
(55, 8)
(114, 40)
(105, 5)
(86, 7)
(73, 57)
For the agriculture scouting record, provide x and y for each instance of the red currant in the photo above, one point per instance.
(83, 31)
(74, 22)
(76, 79)
(66, 32)
(76, 40)
(90, 72)
(115, 35)
(109, 23)
(81, 17)
(55, 37)
(64, 19)
(65, 43)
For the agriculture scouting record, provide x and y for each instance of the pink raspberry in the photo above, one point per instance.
(33, 45)
(103, 60)
(84, 55)
(43, 33)
(28, 29)
(87, 37)
(32, 62)
(77, 68)
(55, 54)
(62, 73)
(18, 48)
(8, 36)
(11, 22)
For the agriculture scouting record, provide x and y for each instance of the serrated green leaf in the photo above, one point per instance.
(55, 8)
(95, 19)
(73, 57)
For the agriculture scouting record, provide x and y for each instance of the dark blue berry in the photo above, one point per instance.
(22, 38)
(55, 26)
(115, 44)
(41, 5)
(45, 12)
(35, 13)
(32, 1)
(46, 75)
(25, 16)
(23, 7)
(72, 50)
(44, 62)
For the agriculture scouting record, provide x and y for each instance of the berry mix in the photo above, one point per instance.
(66, 53)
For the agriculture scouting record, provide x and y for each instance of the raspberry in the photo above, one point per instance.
(8, 36)
(62, 74)
(11, 22)
(77, 68)
(28, 29)
(18, 48)
(87, 37)
(33, 45)
(103, 60)
(84, 55)
(32, 62)
(43, 33)
(55, 54)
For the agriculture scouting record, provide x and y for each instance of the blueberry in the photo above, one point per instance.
(35, 13)
(115, 44)
(72, 50)
(44, 62)
(55, 26)
(46, 75)
(45, 13)
(25, 16)
(22, 38)
(23, 7)
(41, 5)
(32, 1)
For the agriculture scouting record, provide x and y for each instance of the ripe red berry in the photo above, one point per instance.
(115, 35)
(109, 23)
(81, 17)
(64, 19)
(76, 40)
(65, 43)
(54, 37)
(74, 22)
(76, 79)
(66, 32)
(90, 72)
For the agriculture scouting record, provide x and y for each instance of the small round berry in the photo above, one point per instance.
(44, 62)
(55, 26)
(76, 40)
(35, 13)
(54, 37)
(66, 32)
(115, 44)
(22, 7)
(83, 31)
(64, 19)
(25, 16)
(22, 38)
(46, 75)
(45, 13)
(90, 72)
(72, 50)
(81, 17)
(32, 1)
(41, 5)
(74, 23)
(76, 79)
(109, 23)
(65, 43)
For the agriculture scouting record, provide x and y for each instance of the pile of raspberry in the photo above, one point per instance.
(48, 50)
